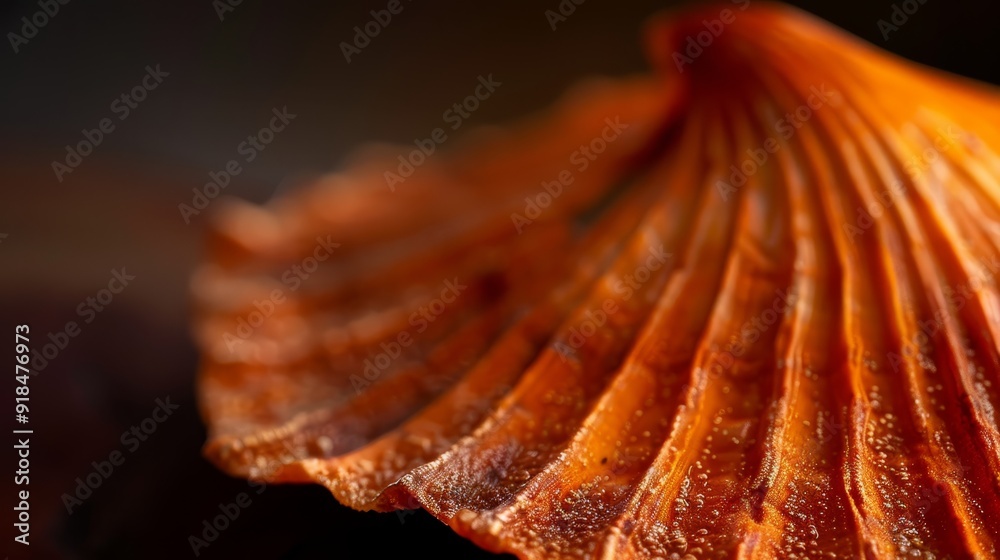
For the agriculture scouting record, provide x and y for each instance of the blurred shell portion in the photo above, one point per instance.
(758, 316)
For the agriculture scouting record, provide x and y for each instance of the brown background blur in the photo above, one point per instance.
(119, 209)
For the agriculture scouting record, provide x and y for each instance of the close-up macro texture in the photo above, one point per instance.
(753, 314)
(571, 280)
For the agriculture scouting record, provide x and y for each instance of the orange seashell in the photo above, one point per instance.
(746, 306)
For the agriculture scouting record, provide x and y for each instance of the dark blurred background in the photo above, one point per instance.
(119, 208)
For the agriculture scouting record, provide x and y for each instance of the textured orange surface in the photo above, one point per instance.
(762, 322)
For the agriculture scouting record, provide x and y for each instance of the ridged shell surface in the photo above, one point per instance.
(745, 306)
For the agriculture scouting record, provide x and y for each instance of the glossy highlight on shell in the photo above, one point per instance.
(762, 321)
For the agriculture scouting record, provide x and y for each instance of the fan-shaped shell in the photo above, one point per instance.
(746, 306)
